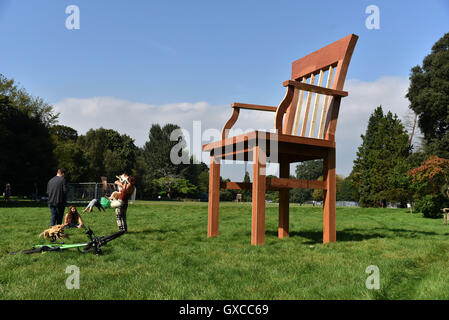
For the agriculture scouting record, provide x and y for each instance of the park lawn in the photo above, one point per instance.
(166, 255)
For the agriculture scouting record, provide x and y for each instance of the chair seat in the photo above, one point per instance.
(289, 148)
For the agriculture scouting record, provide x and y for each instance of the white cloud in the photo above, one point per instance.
(135, 118)
(132, 118)
(355, 110)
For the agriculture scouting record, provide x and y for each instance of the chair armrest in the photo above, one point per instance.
(230, 123)
(236, 106)
(253, 107)
(314, 88)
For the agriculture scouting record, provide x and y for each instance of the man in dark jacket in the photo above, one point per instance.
(57, 197)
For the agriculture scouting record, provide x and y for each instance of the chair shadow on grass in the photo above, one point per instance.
(316, 237)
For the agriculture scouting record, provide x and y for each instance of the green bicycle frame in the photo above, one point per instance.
(61, 246)
(94, 245)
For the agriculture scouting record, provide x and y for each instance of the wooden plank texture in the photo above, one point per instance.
(315, 88)
(259, 189)
(214, 197)
(284, 202)
(329, 217)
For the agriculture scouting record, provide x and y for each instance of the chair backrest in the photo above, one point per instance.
(308, 115)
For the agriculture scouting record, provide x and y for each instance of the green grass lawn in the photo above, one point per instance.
(166, 255)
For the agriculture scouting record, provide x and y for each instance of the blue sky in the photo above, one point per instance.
(213, 52)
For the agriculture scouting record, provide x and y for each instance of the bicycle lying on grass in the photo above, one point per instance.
(94, 245)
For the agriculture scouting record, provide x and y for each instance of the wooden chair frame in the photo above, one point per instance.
(257, 145)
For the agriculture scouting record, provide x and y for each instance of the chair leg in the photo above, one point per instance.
(329, 227)
(259, 188)
(284, 195)
(214, 197)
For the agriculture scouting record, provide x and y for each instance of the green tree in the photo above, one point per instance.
(157, 149)
(196, 174)
(246, 194)
(400, 184)
(347, 191)
(68, 154)
(64, 133)
(317, 194)
(146, 189)
(228, 194)
(109, 153)
(203, 181)
(27, 149)
(172, 187)
(382, 154)
(307, 170)
(429, 98)
(34, 107)
(363, 163)
(431, 184)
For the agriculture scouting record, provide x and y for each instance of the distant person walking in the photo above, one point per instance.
(7, 192)
(57, 197)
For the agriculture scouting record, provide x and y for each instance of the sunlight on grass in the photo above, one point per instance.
(167, 255)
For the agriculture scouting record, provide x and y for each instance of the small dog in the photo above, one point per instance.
(123, 179)
(54, 232)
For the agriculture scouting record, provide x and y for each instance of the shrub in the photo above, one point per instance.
(431, 205)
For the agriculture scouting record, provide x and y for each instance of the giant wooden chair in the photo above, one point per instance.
(305, 128)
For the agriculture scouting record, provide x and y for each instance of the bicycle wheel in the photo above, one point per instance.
(87, 248)
(83, 250)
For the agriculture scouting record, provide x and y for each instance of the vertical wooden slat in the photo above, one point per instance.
(326, 104)
(329, 224)
(259, 188)
(306, 111)
(331, 118)
(298, 110)
(284, 172)
(214, 197)
(315, 107)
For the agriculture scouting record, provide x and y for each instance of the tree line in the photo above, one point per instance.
(388, 166)
(34, 145)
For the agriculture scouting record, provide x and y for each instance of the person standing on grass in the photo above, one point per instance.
(7, 192)
(57, 197)
(125, 193)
